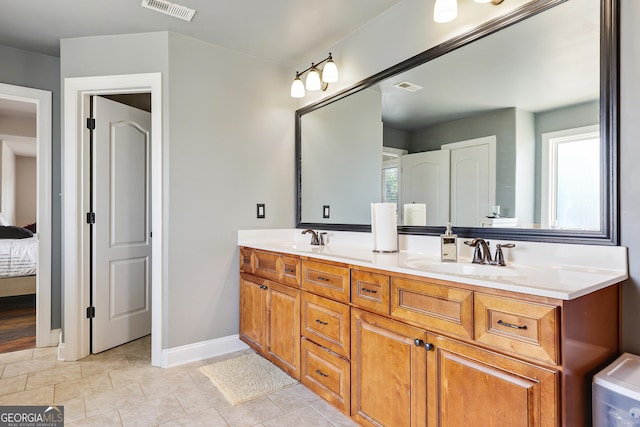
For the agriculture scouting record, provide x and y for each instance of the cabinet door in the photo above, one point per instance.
(253, 303)
(284, 327)
(388, 372)
(468, 386)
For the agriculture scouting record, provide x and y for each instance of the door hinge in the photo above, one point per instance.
(91, 312)
(91, 217)
(91, 123)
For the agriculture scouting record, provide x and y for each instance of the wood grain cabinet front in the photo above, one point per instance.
(328, 280)
(326, 374)
(326, 322)
(370, 291)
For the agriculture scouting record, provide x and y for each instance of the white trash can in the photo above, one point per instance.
(616, 393)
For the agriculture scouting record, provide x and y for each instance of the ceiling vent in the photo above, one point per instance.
(408, 86)
(169, 8)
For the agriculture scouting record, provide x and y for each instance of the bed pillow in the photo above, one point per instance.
(14, 232)
(30, 227)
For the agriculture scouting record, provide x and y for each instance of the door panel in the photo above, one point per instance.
(122, 247)
(425, 179)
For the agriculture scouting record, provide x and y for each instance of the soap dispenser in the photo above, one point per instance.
(448, 246)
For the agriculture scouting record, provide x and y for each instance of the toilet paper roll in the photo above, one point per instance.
(415, 214)
(384, 227)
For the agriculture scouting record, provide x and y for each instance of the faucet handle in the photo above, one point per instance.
(323, 238)
(499, 255)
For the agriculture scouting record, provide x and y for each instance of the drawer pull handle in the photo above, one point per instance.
(369, 291)
(322, 374)
(289, 270)
(321, 322)
(323, 279)
(511, 325)
(245, 260)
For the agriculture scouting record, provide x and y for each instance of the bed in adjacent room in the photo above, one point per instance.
(18, 261)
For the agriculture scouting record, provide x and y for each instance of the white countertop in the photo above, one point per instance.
(555, 270)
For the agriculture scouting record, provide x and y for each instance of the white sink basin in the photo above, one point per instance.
(466, 269)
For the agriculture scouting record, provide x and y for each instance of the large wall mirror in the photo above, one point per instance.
(508, 131)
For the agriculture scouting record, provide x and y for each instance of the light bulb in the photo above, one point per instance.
(313, 80)
(330, 72)
(445, 11)
(297, 88)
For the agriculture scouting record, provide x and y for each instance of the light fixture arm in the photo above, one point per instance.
(317, 79)
(314, 65)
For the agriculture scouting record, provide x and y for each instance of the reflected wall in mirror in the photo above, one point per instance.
(511, 134)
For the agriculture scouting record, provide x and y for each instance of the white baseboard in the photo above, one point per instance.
(54, 338)
(61, 351)
(201, 350)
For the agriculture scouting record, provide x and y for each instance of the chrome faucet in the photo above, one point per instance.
(482, 253)
(317, 239)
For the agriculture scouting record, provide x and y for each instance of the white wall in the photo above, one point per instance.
(8, 187)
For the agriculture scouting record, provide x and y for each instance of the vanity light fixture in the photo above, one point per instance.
(317, 79)
(447, 10)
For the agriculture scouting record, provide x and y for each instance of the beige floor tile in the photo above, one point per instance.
(249, 413)
(197, 399)
(13, 384)
(53, 376)
(175, 382)
(16, 356)
(108, 419)
(82, 386)
(294, 397)
(305, 416)
(152, 413)
(73, 410)
(27, 366)
(336, 417)
(207, 418)
(95, 367)
(40, 352)
(37, 396)
(115, 398)
(138, 374)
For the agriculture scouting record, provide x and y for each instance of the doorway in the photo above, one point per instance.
(29, 156)
(76, 204)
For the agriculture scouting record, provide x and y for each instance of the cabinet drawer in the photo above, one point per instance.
(435, 307)
(370, 291)
(330, 281)
(521, 327)
(326, 322)
(326, 374)
(265, 264)
(246, 260)
(291, 270)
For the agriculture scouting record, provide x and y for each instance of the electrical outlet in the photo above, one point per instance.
(260, 209)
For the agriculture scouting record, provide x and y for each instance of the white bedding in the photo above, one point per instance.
(18, 257)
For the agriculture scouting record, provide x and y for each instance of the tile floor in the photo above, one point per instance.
(120, 388)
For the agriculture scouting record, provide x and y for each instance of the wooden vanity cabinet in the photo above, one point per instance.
(270, 310)
(388, 371)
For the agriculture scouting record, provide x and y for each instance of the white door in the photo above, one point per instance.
(122, 247)
(473, 180)
(425, 180)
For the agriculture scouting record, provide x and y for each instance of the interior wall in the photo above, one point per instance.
(8, 187)
(232, 146)
(26, 194)
(34, 70)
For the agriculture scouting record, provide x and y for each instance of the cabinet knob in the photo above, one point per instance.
(428, 346)
(418, 342)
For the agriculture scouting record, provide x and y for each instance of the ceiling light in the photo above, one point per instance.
(447, 10)
(317, 79)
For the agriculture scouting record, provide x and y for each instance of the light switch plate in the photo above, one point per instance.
(260, 210)
(325, 211)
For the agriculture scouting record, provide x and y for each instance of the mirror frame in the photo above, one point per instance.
(609, 105)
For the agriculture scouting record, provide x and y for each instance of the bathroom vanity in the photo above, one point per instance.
(405, 340)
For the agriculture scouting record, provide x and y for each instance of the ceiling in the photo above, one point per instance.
(282, 31)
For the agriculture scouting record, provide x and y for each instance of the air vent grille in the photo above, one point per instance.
(408, 86)
(169, 8)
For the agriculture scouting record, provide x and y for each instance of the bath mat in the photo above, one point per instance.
(246, 377)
